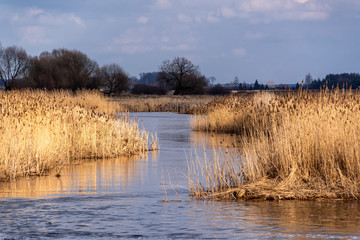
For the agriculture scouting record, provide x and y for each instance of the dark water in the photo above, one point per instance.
(123, 198)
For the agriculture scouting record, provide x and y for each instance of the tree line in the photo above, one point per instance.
(343, 80)
(59, 69)
(72, 69)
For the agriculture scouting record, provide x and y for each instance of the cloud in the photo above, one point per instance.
(134, 49)
(212, 18)
(34, 35)
(37, 26)
(255, 11)
(180, 47)
(264, 10)
(179, 39)
(35, 11)
(134, 41)
(143, 20)
(184, 18)
(228, 12)
(240, 52)
(39, 16)
(162, 4)
(254, 36)
(302, 1)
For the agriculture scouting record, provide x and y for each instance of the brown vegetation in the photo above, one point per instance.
(301, 145)
(42, 130)
(168, 103)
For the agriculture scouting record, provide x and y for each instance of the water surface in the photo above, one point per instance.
(124, 198)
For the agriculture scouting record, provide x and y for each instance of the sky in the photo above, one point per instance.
(266, 40)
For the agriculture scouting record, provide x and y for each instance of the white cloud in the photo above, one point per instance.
(240, 52)
(35, 11)
(264, 10)
(143, 20)
(133, 41)
(184, 18)
(302, 1)
(254, 36)
(180, 39)
(212, 11)
(180, 47)
(162, 4)
(77, 20)
(212, 18)
(228, 12)
(134, 49)
(33, 35)
(38, 16)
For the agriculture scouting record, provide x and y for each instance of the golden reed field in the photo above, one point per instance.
(42, 131)
(189, 104)
(295, 145)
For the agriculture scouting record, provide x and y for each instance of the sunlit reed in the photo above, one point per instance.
(168, 103)
(41, 131)
(299, 145)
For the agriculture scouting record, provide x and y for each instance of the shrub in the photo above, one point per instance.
(148, 90)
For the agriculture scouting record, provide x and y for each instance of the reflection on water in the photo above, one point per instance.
(224, 141)
(107, 175)
(122, 198)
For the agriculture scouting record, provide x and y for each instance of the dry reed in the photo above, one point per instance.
(302, 145)
(42, 130)
(169, 103)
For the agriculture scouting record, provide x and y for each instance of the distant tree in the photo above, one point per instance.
(211, 80)
(256, 85)
(147, 89)
(308, 79)
(182, 76)
(14, 63)
(236, 81)
(219, 90)
(149, 78)
(114, 78)
(343, 80)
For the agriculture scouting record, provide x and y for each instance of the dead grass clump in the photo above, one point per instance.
(45, 130)
(246, 114)
(300, 145)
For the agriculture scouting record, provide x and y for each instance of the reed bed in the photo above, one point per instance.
(302, 145)
(42, 131)
(188, 104)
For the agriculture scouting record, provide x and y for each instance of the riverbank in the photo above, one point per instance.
(42, 131)
(298, 145)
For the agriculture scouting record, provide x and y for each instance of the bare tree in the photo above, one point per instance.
(13, 65)
(114, 78)
(63, 68)
(308, 79)
(182, 76)
(77, 67)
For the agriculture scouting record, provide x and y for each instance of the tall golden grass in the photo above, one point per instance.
(299, 145)
(168, 103)
(41, 131)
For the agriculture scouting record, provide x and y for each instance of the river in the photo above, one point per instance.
(146, 197)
